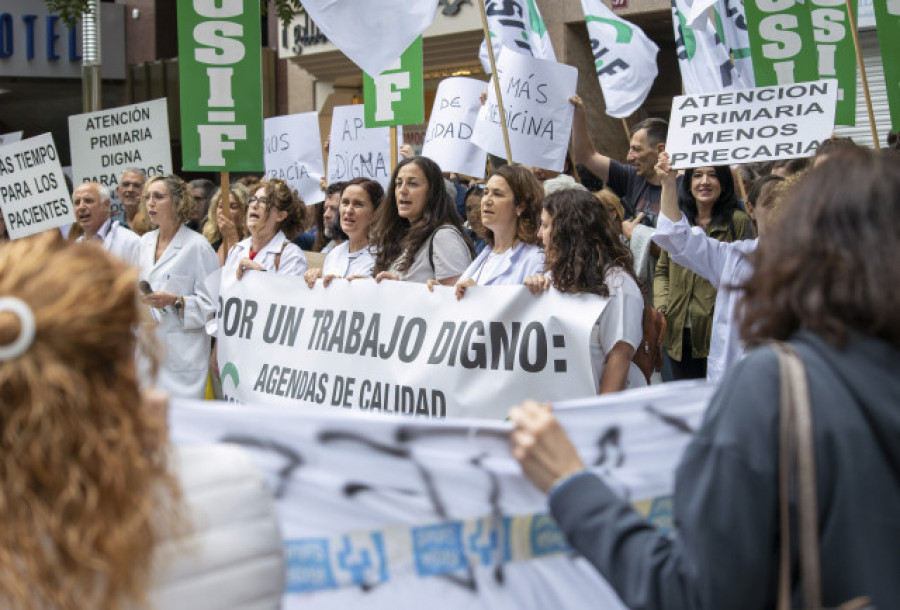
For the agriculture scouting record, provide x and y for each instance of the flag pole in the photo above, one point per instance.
(862, 74)
(224, 189)
(490, 50)
(393, 148)
(627, 131)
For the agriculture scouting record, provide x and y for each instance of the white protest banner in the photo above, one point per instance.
(106, 142)
(356, 150)
(353, 26)
(9, 138)
(385, 512)
(762, 124)
(625, 59)
(538, 113)
(396, 347)
(448, 138)
(516, 25)
(293, 153)
(33, 191)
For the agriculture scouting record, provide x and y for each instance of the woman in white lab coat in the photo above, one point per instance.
(174, 265)
(275, 215)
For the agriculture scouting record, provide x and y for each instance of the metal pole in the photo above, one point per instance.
(90, 52)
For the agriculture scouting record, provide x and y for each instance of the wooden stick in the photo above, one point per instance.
(393, 148)
(225, 189)
(627, 131)
(490, 50)
(740, 181)
(862, 74)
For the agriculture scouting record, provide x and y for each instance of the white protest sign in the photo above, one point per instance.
(106, 142)
(750, 125)
(357, 151)
(385, 512)
(536, 96)
(9, 138)
(293, 153)
(448, 138)
(33, 191)
(396, 347)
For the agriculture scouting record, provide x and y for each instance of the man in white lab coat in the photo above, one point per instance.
(92, 215)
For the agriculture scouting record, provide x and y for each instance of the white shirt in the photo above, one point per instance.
(724, 264)
(343, 263)
(511, 267)
(620, 321)
(119, 241)
(292, 260)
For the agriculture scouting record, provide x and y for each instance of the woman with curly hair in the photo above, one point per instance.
(97, 510)
(226, 225)
(174, 263)
(417, 232)
(510, 214)
(584, 255)
(275, 215)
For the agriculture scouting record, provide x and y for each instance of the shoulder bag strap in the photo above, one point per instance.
(795, 450)
(280, 252)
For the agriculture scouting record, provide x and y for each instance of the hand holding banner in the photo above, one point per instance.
(538, 113)
(448, 137)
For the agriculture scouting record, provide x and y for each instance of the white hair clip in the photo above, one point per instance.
(26, 332)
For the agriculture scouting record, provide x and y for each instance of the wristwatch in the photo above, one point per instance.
(179, 304)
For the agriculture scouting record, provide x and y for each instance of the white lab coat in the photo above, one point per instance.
(724, 264)
(293, 261)
(182, 270)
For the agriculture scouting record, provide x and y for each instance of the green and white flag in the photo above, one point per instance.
(397, 95)
(704, 61)
(625, 59)
(887, 20)
(781, 41)
(220, 71)
(516, 25)
(731, 27)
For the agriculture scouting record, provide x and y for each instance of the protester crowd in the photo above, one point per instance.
(710, 250)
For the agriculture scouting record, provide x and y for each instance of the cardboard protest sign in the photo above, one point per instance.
(33, 193)
(220, 72)
(294, 153)
(385, 512)
(781, 42)
(105, 143)
(536, 96)
(448, 138)
(356, 150)
(396, 347)
(9, 138)
(397, 95)
(751, 125)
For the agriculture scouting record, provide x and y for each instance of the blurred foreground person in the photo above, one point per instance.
(97, 510)
(817, 285)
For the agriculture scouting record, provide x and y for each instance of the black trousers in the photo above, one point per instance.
(689, 367)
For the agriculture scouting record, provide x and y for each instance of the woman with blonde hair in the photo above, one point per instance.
(225, 227)
(87, 498)
(174, 264)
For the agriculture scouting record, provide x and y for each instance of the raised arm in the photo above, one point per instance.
(583, 149)
(668, 202)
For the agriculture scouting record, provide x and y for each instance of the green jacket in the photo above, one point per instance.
(678, 293)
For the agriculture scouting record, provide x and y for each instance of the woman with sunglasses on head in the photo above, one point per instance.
(174, 263)
(274, 216)
(417, 232)
(226, 222)
(510, 214)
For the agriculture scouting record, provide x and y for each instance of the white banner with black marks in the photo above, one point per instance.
(386, 512)
(751, 125)
(355, 150)
(396, 347)
(293, 153)
(448, 139)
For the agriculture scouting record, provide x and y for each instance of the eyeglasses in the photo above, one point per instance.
(260, 200)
